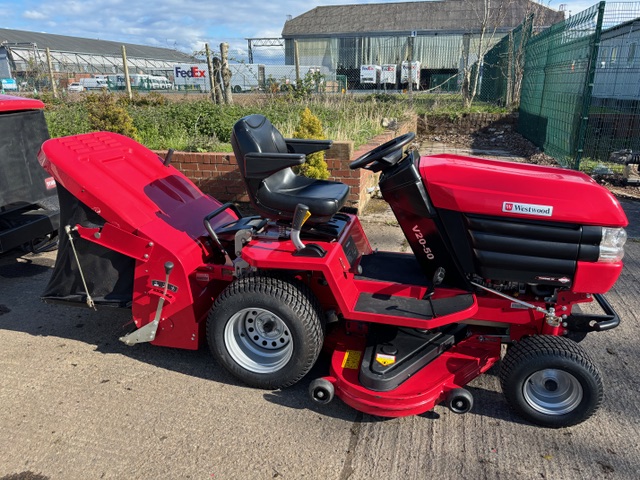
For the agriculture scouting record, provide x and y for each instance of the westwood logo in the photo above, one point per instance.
(527, 209)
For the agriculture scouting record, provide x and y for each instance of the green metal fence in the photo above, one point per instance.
(580, 96)
(503, 66)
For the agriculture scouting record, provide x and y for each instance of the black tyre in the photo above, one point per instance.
(266, 330)
(551, 381)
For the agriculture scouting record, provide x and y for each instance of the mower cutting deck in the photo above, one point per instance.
(501, 253)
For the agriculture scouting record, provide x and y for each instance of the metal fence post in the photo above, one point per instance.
(588, 87)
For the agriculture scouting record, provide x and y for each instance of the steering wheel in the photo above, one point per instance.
(382, 151)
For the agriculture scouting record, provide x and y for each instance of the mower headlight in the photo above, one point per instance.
(612, 244)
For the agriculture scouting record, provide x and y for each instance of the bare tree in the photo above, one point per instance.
(219, 97)
(490, 16)
(226, 72)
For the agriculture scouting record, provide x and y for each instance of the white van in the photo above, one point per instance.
(93, 83)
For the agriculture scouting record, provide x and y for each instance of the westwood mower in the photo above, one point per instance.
(501, 253)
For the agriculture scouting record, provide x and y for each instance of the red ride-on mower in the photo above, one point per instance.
(501, 253)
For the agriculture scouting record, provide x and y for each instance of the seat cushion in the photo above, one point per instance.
(324, 198)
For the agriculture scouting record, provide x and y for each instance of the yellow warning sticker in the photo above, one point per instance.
(352, 359)
(385, 360)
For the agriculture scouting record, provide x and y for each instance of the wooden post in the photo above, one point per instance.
(410, 86)
(226, 73)
(296, 60)
(125, 67)
(219, 98)
(50, 65)
(212, 78)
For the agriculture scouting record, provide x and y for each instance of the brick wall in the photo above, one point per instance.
(217, 174)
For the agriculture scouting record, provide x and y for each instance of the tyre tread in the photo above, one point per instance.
(539, 346)
(287, 290)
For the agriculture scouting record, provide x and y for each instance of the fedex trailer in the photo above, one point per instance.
(191, 76)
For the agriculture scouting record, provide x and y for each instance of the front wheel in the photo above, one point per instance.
(266, 330)
(551, 381)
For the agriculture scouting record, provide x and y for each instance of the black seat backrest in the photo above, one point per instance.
(255, 133)
(265, 159)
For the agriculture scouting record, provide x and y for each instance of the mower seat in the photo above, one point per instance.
(265, 159)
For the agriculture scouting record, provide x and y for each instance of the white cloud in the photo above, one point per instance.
(33, 15)
(182, 24)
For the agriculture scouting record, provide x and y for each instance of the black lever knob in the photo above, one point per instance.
(168, 266)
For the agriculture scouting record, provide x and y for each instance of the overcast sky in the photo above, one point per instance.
(181, 24)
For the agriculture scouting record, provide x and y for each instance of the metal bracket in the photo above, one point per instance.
(68, 230)
(148, 332)
(241, 239)
(241, 267)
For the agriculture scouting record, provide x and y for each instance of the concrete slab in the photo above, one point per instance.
(77, 404)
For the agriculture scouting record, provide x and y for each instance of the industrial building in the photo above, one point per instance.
(23, 57)
(437, 34)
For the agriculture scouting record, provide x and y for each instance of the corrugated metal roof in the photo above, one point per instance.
(426, 16)
(63, 43)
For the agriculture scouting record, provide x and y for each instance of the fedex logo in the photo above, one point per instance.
(193, 72)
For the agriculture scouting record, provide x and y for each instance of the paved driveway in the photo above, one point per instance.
(75, 403)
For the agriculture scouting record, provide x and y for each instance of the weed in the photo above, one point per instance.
(310, 128)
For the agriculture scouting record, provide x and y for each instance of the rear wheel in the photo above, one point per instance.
(551, 381)
(266, 330)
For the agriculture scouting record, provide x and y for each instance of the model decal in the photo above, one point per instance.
(423, 242)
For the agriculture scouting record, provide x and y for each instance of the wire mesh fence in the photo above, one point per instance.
(429, 63)
(581, 90)
(577, 83)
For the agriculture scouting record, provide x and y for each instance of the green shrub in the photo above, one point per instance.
(67, 119)
(106, 113)
(310, 128)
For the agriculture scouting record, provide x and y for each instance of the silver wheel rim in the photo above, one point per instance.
(258, 340)
(552, 391)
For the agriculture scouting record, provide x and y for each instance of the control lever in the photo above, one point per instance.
(300, 215)
(148, 332)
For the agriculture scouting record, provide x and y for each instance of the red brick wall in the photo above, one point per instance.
(218, 175)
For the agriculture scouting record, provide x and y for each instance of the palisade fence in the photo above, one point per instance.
(580, 95)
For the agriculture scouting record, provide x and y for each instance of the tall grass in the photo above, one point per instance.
(200, 125)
